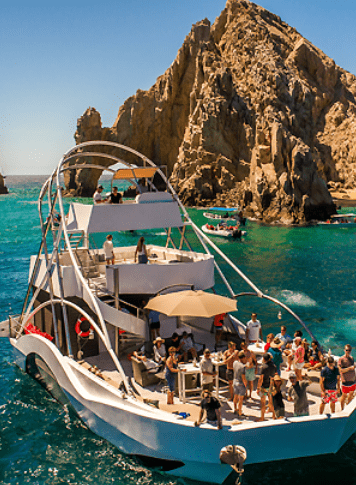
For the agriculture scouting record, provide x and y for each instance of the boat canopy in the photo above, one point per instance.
(138, 173)
(152, 210)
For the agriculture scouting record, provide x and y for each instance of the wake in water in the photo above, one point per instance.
(295, 298)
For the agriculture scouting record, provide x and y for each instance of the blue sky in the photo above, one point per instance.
(59, 58)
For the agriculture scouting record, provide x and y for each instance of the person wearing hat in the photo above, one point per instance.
(298, 394)
(277, 397)
(275, 351)
(159, 350)
(97, 197)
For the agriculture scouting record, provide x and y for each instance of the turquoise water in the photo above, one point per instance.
(311, 269)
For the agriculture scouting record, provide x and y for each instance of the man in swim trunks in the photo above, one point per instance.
(329, 384)
(240, 382)
(230, 355)
(346, 367)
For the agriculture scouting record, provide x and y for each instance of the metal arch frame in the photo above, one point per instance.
(204, 238)
(47, 187)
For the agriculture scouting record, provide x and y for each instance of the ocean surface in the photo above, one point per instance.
(312, 269)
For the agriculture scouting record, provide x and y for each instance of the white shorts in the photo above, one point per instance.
(299, 365)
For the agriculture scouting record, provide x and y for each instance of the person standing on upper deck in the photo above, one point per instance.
(115, 196)
(141, 251)
(109, 250)
(253, 330)
(97, 197)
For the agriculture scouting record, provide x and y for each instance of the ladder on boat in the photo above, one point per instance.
(83, 256)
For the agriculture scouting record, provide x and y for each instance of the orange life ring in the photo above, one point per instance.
(78, 330)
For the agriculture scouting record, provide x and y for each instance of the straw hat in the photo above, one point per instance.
(276, 343)
(158, 339)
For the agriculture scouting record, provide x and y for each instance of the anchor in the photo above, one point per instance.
(234, 456)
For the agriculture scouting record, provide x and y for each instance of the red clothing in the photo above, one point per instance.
(219, 320)
(267, 346)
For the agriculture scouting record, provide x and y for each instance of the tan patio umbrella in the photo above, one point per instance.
(191, 303)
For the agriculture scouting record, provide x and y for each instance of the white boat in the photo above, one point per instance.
(225, 214)
(223, 230)
(69, 334)
(348, 220)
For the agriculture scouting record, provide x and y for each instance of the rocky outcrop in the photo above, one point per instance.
(249, 113)
(3, 188)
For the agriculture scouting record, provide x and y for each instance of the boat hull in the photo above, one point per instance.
(138, 429)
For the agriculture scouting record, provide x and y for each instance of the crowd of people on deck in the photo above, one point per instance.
(337, 380)
(244, 374)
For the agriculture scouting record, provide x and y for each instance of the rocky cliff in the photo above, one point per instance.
(3, 188)
(249, 113)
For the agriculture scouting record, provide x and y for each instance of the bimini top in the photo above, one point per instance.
(138, 173)
(152, 210)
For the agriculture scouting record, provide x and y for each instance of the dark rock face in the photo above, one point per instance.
(3, 188)
(249, 113)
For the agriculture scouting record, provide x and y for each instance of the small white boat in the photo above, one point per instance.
(225, 214)
(223, 230)
(221, 217)
(348, 220)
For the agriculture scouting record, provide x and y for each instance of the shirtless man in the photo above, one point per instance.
(230, 355)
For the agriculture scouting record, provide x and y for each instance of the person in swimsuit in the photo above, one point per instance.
(251, 369)
(346, 365)
(171, 372)
(229, 357)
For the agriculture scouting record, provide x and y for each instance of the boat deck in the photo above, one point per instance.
(157, 394)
